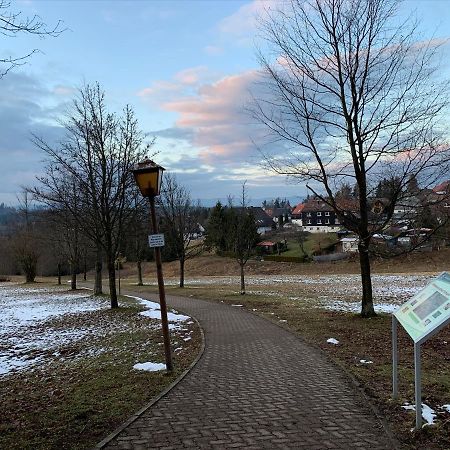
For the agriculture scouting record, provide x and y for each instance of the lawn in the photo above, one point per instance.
(314, 242)
(76, 391)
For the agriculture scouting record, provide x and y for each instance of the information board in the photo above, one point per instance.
(156, 240)
(427, 310)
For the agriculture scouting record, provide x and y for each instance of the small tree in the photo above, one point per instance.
(244, 235)
(216, 229)
(180, 220)
(24, 242)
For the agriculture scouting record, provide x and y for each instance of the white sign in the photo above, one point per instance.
(156, 240)
(428, 310)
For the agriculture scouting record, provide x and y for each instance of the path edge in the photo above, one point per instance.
(156, 399)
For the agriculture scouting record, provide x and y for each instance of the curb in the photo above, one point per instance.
(162, 394)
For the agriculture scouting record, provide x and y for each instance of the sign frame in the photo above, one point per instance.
(421, 317)
(156, 240)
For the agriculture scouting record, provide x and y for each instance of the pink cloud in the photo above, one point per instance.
(216, 114)
(192, 75)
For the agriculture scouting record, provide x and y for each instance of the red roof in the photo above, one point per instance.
(266, 244)
(443, 187)
(298, 209)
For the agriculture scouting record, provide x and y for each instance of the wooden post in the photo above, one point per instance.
(162, 294)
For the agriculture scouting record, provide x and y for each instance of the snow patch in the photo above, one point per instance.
(365, 361)
(333, 341)
(150, 366)
(153, 311)
(428, 414)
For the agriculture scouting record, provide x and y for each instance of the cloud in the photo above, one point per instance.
(191, 76)
(216, 115)
(22, 114)
(211, 145)
(244, 21)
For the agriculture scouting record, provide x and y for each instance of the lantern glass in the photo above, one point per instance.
(148, 176)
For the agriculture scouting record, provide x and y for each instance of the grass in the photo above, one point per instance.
(368, 339)
(75, 403)
(314, 242)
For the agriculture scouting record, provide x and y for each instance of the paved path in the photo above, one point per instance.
(256, 386)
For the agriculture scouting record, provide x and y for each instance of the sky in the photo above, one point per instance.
(186, 68)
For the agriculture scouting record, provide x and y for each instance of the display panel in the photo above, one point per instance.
(428, 309)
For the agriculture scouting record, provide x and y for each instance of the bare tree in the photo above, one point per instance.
(180, 221)
(244, 235)
(351, 97)
(25, 245)
(97, 155)
(13, 24)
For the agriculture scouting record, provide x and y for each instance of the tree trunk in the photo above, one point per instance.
(367, 309)
(73, 279)
(85, 269)
(139, 271)
(98, 288)
(59, 274)
(112, 283)
(182, 272)
(242, 279)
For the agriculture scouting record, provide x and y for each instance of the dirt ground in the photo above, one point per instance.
(211, 265)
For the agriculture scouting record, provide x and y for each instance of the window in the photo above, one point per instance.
(319, 221)
(319, 214)
(327, 221)
(327, 214)
(308, 214)
(309, 222)
(336, 221)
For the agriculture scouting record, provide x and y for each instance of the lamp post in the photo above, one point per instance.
(148, 176)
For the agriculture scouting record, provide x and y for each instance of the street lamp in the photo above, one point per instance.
(148, 176)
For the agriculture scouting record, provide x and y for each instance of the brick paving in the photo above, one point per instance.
(256, 386)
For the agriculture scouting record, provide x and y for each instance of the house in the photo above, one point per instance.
(443, 188)
(349, 244)
(279, 215)
(318, 217)
(264, 222)
(297, 214)
(267, 247)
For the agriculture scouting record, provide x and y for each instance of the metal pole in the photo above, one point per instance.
(162, 294)
(118, 265)
(394, 358)
(418, 386)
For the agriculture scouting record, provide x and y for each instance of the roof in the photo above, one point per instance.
(262, 219)
(315, 204)
(275, 212)
(298, 209)
(266, 244)
(442, 188)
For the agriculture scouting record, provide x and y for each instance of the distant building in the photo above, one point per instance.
(297, 214)
(263, 221)
(318, 217)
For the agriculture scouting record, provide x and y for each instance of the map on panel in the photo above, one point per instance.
(428, 309)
